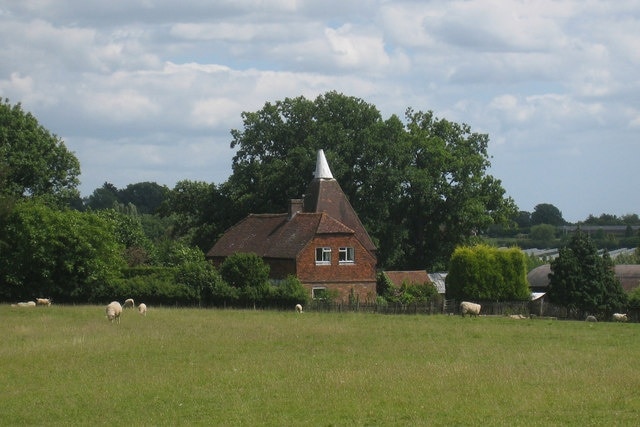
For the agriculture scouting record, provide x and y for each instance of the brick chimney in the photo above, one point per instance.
(295, 206)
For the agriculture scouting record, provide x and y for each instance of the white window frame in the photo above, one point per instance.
(323, 255)
(346, 255)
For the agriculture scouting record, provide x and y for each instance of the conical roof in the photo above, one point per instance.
(322, 167)
(324, 194)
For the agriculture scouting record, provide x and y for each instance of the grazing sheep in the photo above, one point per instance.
(142, 309)
(128, 303)
(299, 308)
(469, 308)
(43, 301)
(114, 310)
(591, 319)
(620, 317)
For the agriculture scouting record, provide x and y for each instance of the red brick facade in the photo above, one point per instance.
(357, 277)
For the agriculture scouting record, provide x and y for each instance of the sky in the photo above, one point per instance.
(149, 90)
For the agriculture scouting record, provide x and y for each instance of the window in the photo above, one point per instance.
(323, 256)
(319, 293)
(345, 255)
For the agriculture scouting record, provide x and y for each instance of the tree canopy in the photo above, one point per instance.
(63, 254)
(546, 213)
(420, 187)
(36, 162)
(584, 281)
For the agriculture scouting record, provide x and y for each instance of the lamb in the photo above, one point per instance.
(620, 317)
(591, 319)
(43, 301)
(299, 308)
(470, 308)
(114, 310)
(128, 303)
(142, 309)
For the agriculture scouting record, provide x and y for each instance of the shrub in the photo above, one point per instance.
(249, 274)
(288, 293)
(485, 273)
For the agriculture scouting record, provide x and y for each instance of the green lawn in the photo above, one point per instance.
(70, 366)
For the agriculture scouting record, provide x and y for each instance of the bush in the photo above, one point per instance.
(288, 293)
(485, 273)
(634, 299)
(406, 293)
(153, 285)
(249, 274)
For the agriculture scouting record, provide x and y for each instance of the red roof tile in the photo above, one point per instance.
(275, 235)
(417, 277)
(326, 195)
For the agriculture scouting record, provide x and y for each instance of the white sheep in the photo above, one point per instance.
(469, 308)
(299, 308)
(517, 316)
(24, 304)
(43, 301)
(620, 317)
(142, 309)
(591, 319)
(114, 310)
(128, 303)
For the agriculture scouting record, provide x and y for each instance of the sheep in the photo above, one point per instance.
(470, 308)
(517, 316)
(591, 319)
(128, 303)
(620, 317)
(142, 309)
(299, 308)
(24, 304)
(43, 301)
(114, 310)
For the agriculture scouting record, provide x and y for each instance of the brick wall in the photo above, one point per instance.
(358, 277)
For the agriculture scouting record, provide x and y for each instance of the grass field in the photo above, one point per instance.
(70, 366)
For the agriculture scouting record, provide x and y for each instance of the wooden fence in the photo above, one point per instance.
(534, 309)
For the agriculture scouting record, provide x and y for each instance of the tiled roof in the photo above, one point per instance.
(416, 277)
(275, 235)
(325, 195)
(628, 274)
(325, 210)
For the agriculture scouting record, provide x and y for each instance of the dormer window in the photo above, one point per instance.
(323, 256)
(346, 255)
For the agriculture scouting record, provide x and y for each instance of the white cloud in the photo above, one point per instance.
(149, 90)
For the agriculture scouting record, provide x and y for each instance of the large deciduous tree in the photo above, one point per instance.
(545, 213)
(199, 212)
(584, 281)
(37, 161)
(419, 187)
(146, 196)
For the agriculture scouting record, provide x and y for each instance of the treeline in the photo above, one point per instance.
(546, 228)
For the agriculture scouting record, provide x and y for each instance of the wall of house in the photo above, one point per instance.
(281, 268)
(364, 292)
(357, 278)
